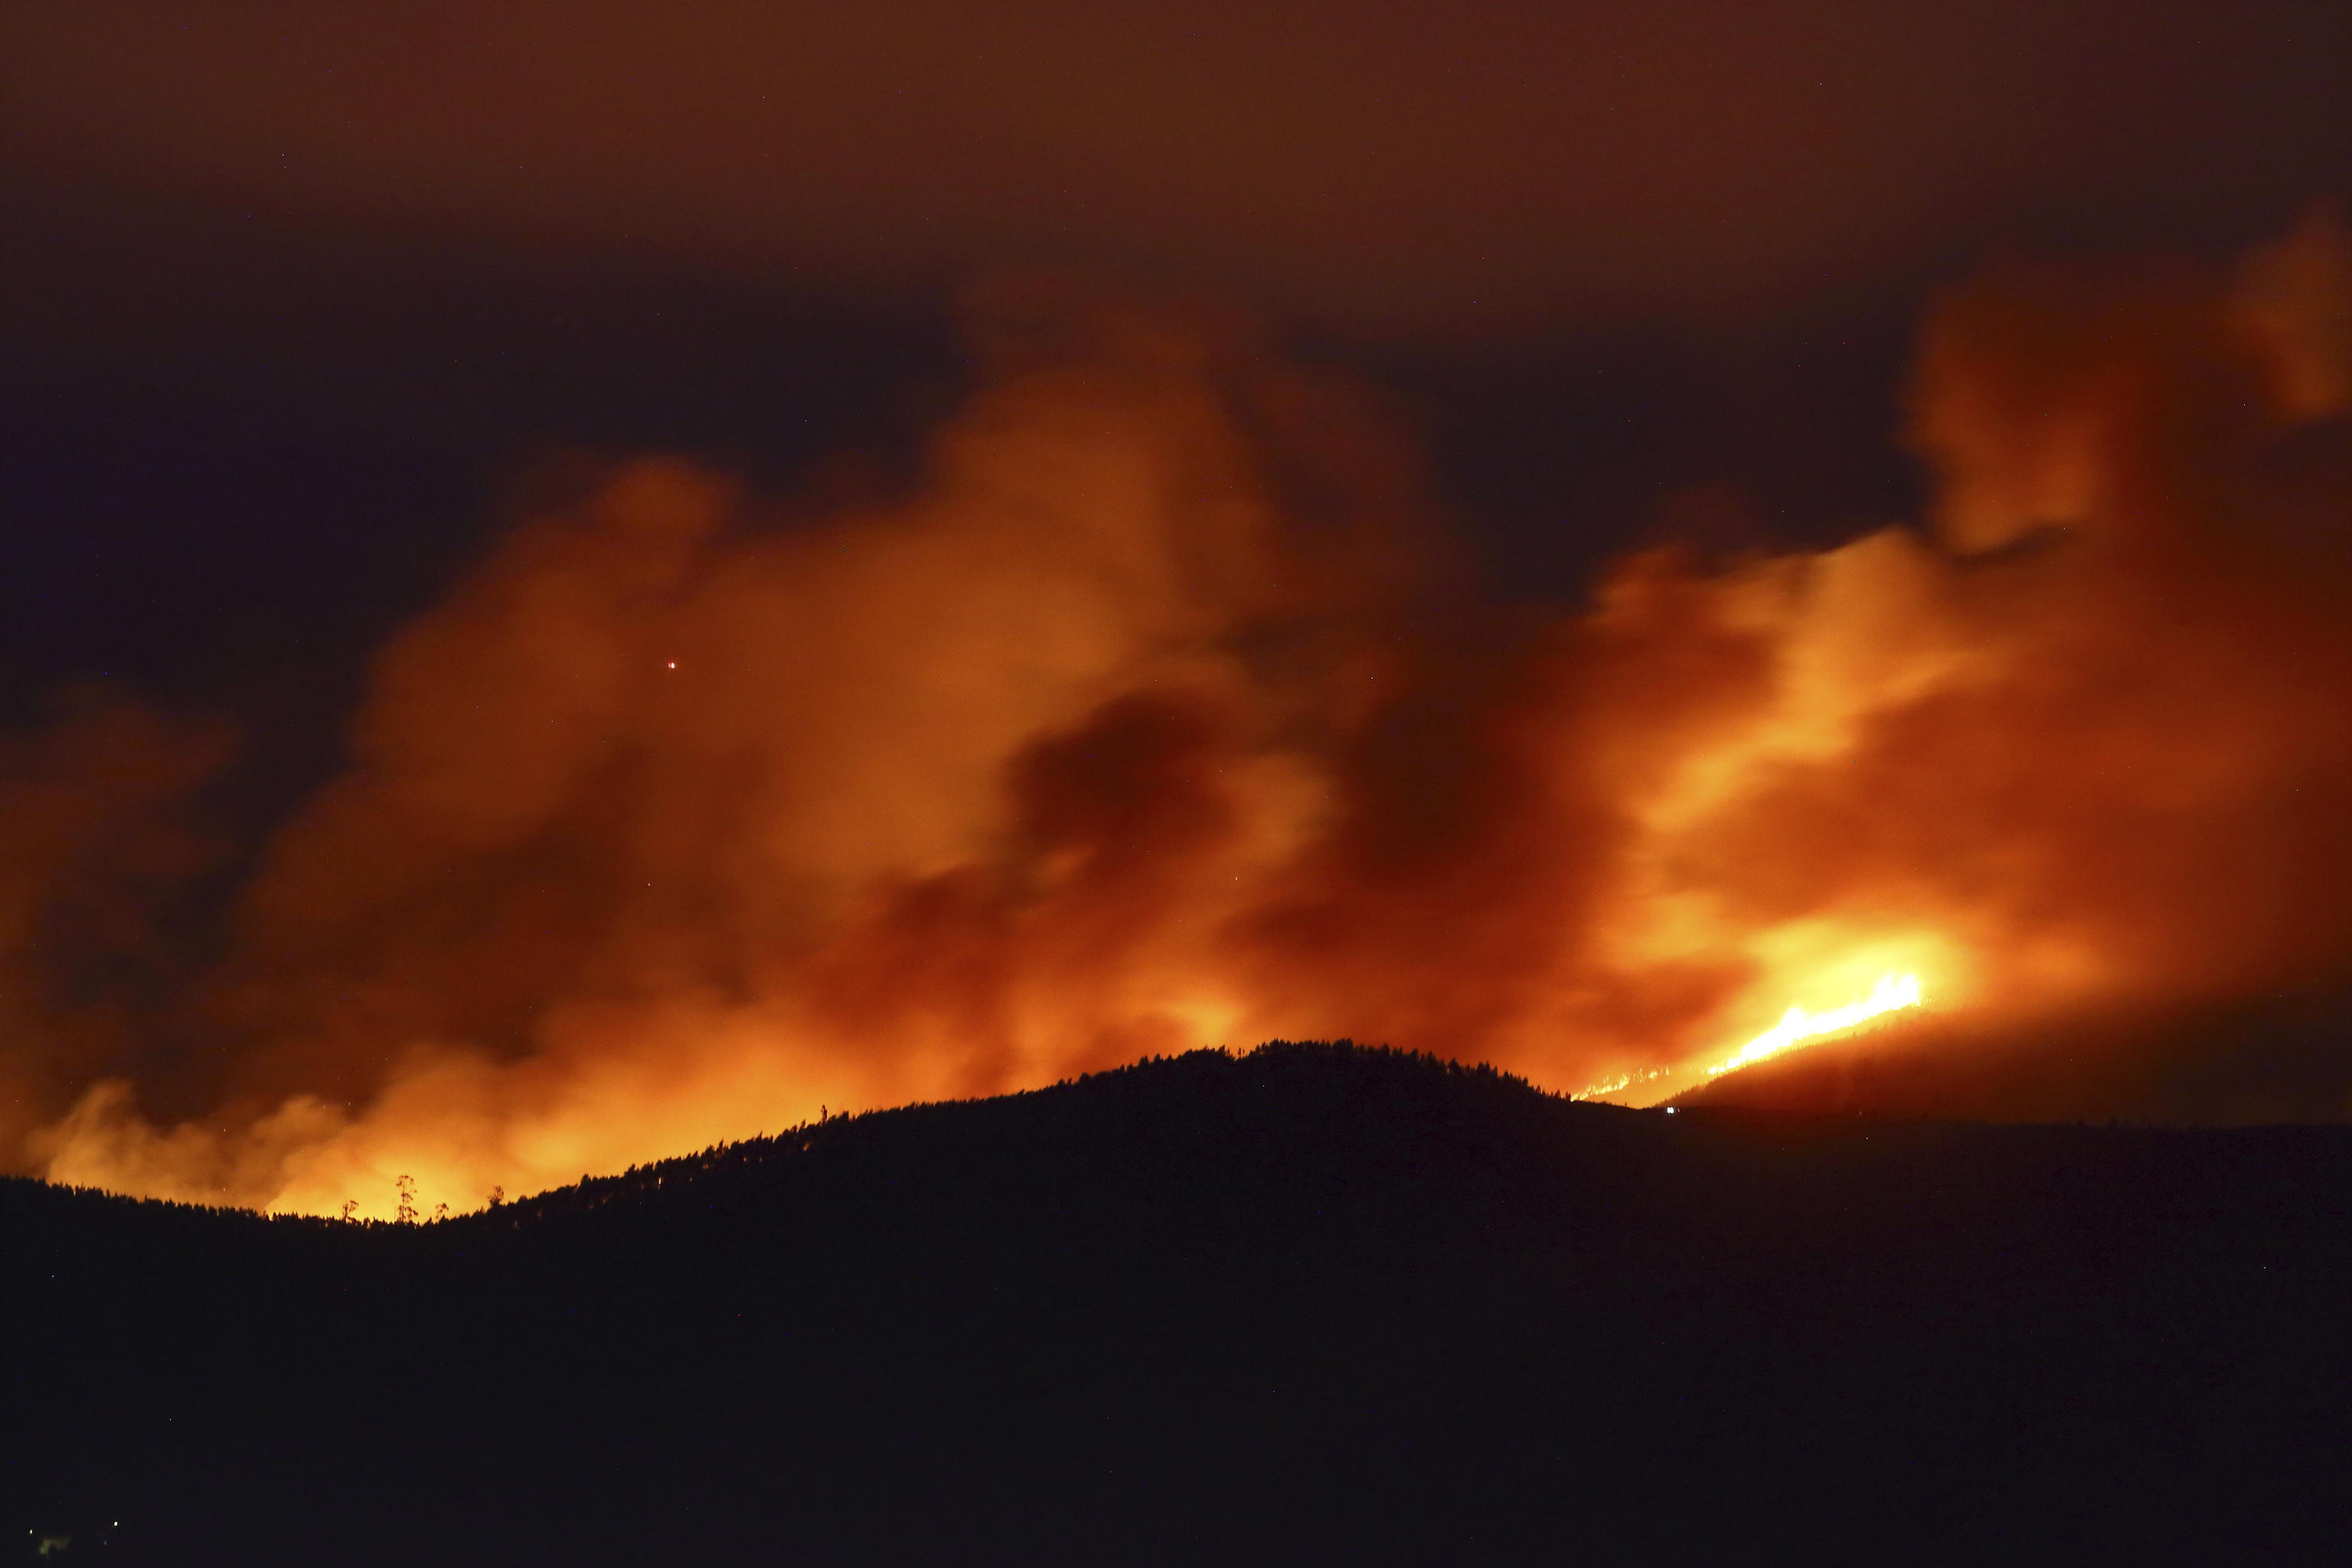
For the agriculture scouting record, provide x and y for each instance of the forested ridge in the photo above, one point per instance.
(1314, 1303)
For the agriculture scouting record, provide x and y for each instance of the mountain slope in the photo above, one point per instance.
(2244, 1061)
(1317, 1303)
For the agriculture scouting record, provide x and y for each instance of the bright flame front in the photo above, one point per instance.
(1892, 991)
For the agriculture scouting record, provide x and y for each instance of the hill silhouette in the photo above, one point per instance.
(2242, 1061)
(1317, 1303)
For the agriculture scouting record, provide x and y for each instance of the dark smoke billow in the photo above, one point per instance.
(1158, 716)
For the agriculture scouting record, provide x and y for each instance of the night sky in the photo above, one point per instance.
(293, 296)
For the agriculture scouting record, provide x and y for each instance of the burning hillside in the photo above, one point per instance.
(1159, 716)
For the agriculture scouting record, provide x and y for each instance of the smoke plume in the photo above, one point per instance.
(1158, 716)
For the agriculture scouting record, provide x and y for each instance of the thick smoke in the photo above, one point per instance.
(92, 841)
(1158, 718)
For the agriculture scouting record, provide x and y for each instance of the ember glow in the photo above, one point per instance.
(1796, 1025)
(1160, 717)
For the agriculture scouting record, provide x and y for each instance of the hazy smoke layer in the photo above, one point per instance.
(1156, 720)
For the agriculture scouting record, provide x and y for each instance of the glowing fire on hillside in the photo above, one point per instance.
(1796, 1025)
(1157, 718)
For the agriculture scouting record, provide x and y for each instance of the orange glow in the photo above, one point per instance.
(1156, 720)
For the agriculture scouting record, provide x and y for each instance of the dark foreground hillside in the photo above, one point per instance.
(1318, 1304)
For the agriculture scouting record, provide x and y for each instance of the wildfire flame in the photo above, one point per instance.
(1618, 1085)
(1892, 992)
(1154, 720)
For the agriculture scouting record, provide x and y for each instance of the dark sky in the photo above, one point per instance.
(292, 292)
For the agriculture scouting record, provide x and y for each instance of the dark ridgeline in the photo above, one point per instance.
(1319, 1303)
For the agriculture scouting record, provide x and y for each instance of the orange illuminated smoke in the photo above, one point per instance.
(1156, 717)
(1892, 991)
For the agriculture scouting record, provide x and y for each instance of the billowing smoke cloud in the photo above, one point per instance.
(92, 841)
(1157, 718)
